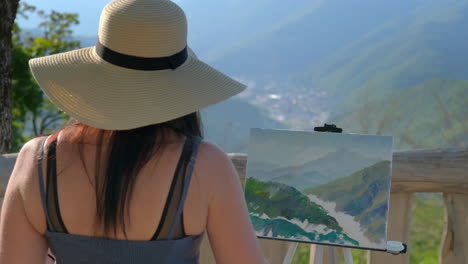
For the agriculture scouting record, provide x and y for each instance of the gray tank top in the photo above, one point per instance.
(169, 244)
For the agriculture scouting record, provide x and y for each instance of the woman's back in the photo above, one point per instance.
(214, 200)
(169, 244)
(77, 199)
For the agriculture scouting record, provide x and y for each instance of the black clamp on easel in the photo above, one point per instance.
(329, 128)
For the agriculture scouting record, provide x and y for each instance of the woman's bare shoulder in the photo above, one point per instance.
(215, 168)
(24, 181)
(25, 170)
(210, 149)
(26, 160)
(31, 145)
(211, 158)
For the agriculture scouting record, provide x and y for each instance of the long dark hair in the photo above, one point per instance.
(128, 151)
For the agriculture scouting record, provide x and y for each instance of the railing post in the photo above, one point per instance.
(455, 239)
(399, 223)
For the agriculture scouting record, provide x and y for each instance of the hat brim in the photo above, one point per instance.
(106, 96)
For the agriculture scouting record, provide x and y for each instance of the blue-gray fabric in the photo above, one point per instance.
(77, 249)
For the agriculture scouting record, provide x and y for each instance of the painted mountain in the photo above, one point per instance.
(363, 195)
(319, 187)
(316, 172)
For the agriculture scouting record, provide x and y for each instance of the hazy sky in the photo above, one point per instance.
(89, 12)
(272, 146)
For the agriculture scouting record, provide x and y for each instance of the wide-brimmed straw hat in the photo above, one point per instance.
(140, 72)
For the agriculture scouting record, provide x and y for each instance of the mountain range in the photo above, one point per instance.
(282, 37)
(381, 67)
(370, 58)
(228, 123)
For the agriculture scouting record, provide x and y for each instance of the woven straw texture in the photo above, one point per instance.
(107, 96)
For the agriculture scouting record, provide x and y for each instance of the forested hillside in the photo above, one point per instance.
(369, 66)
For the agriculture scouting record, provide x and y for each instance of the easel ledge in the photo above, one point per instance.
(317, 252)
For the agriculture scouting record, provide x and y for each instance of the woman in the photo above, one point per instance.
(130, 181)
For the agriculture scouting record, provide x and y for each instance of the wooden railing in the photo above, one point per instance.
(435, 170)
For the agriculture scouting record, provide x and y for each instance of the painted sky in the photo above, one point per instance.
(307, 146)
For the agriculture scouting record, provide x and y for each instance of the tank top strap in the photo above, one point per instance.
(40, 157)
(52, 198)
(186, 183)
(168, 216)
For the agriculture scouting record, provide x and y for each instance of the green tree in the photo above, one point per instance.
(32, 112)
(8, 10)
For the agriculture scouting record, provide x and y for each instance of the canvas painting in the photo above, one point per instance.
(319, 187)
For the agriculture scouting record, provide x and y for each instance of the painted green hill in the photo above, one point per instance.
(280, 200)
(283, 229)
(363, 195)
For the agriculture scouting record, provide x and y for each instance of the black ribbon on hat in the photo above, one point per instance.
(141, 63)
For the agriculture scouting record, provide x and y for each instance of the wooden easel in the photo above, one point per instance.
(318, 256)
(393, 247)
